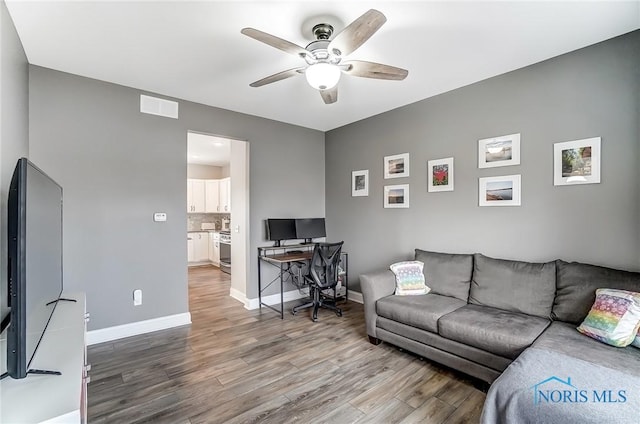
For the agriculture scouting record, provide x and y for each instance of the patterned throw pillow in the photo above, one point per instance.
(614, 318)
(409, 278)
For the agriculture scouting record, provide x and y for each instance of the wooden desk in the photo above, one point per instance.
(288, 257)
(282, 257)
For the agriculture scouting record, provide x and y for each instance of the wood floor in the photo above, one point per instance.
(238, 366)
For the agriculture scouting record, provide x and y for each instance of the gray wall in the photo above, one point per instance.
(118, 166)
(14, 125)
(588, 93)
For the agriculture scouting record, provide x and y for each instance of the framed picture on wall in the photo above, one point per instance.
(440, 174)
(396, 196)
(499, 151)
(396, 166)
(360, 183)
(499, 191)
(577, 162)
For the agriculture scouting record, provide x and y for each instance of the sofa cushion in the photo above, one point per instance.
(497, 331)
(418, 311)
(614, 318)
(577, 284)
(563, 338)
(513, 285)
(447, 274)
(435, 340)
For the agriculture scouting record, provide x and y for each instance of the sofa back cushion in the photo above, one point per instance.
(514, 286)
(577, 284)
(447, 274)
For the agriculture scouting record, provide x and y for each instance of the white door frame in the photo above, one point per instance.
(240, 229)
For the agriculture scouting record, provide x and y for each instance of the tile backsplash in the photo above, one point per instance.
(195, 220)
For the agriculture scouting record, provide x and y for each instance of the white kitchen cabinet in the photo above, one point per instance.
(225, 195)
(191, 254)
(195, 196)
(214, 248)
(200, 246)
(212, 196)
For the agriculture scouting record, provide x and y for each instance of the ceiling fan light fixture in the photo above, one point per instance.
(323, 76)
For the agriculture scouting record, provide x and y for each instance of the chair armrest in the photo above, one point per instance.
(375, 286)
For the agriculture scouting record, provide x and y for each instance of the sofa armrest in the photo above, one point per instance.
(375, 286)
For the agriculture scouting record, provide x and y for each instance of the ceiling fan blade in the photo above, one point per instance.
(359, 68)
(330, 96)
(277, 77)
(357, 32)
(273, 41)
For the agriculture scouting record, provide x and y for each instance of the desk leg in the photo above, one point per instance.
(346, 277)
(259, 285)
(281, 293)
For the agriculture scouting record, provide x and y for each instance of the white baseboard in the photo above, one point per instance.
(355, 296)
(132, 329)
(274, 299)
(239, 296)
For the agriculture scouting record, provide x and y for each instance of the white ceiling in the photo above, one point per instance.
(194, 50)
(208, 150)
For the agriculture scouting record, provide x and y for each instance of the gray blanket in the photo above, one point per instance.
(542, 386)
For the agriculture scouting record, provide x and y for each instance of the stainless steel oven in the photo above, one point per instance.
(225, 252)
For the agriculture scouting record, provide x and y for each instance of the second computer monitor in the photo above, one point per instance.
(310, 228)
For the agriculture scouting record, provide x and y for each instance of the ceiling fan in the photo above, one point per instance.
(324, 57)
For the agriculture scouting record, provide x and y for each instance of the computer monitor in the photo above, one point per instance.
(310, 228)
(281, 229)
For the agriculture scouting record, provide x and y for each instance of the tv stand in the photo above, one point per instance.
(43, 372)
(61, 299)
(52, 396)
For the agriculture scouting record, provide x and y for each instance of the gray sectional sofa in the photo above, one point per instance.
(483, 313)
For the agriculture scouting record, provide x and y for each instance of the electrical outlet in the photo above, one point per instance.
(137, 297)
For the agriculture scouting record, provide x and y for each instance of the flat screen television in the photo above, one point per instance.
(310, 228)
(281, 229)
(34, 285)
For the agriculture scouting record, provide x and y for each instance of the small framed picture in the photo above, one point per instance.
(396, 196)
(499, 191)
(499, 151)
(577, 162)
(360, 183)
(396, 166)
(440, 174)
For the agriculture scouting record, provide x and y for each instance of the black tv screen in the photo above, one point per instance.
(35, 262)
(310, 228)
(281, 229)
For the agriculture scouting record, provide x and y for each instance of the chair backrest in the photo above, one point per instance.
(324, 264)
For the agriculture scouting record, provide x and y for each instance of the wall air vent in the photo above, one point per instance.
(160, 107)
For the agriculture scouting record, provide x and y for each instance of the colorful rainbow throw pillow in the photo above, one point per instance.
(409, 278)
(636, 341)
(614, 318)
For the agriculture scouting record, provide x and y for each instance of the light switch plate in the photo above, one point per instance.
(159, 217)
(137, 297)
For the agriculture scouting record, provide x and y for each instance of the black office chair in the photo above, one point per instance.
(323, 275)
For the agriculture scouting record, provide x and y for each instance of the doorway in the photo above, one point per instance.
(218, 206)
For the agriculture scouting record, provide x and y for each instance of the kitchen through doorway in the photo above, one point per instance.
(217, 206)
